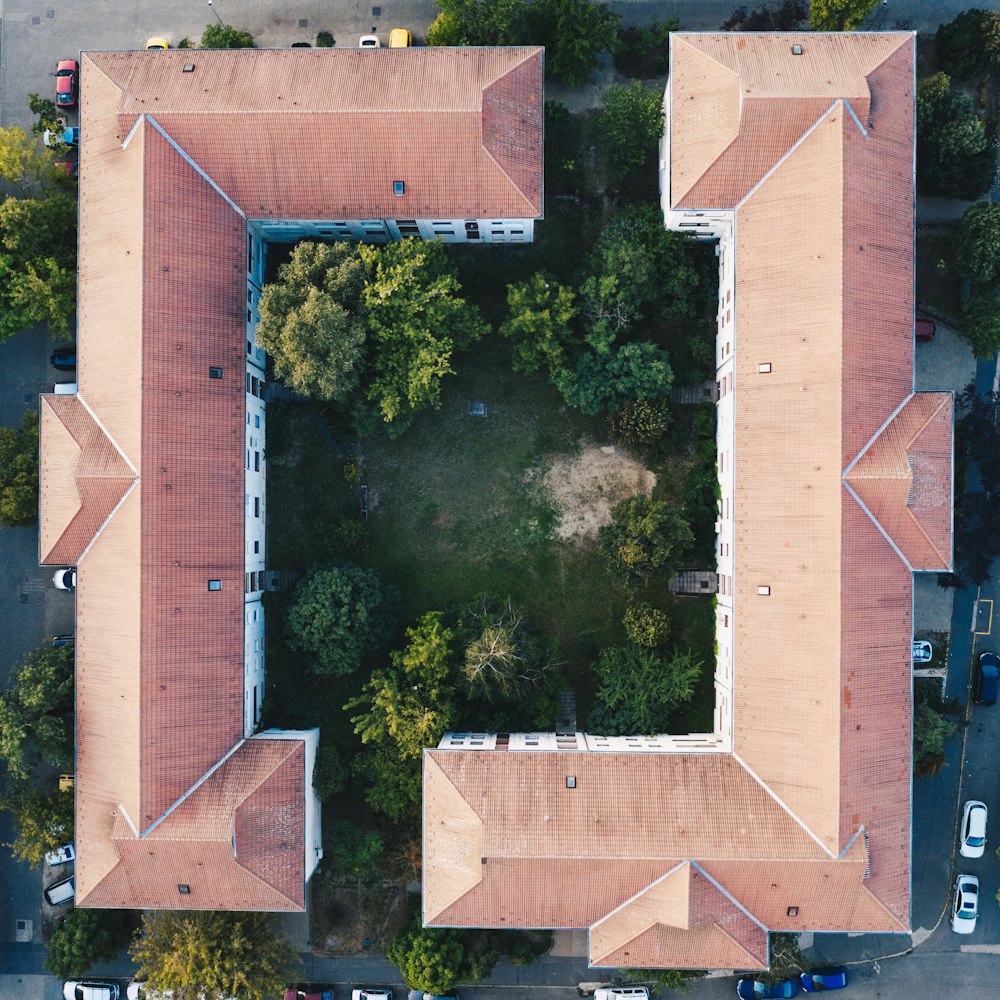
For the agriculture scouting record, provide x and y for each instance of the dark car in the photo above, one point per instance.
(63, 358)
(291, 993)
(755, 989)
(833, 977)
(924, 330)
(987, 679)
(67, 81)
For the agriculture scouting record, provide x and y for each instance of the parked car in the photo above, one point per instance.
(61, 855)
(616, 993)
(63, 358)
(833, 977)
(987, 679)
(400, 38)
(371, 993)
(67, 166)
(68, 137)
(77, 989)
(924, 330)
(291, 993)
(369, 42)
(965, 908)
(973, 832)
(67, 82)
(61, 640)
(156, 42)
(923, 651)
(418, 995)
(61, 892)
(755, 989)
(64, 579)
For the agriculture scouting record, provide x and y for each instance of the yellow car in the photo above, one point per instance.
(157, 43)
(400, 38)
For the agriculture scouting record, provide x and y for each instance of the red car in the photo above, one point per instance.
(67, 82)
(925, 329)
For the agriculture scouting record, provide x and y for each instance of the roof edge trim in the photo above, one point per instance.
(725, 892)
(857, 121)
(635, 896)
(194, 166)
(885, 423)
(135, 127)
(885, 534)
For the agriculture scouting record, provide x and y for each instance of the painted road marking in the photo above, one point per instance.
(981, 949)
(984, 616)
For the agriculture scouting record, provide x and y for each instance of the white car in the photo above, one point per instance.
(965, 909)
(973, 829)
(61, 856)
(64, 579)
(369, 42)
(77, 989)
(371, 993)
(923, 651)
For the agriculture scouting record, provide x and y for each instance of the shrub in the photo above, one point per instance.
(331, 772)
(324, 40)
(646, 537)
(219, 36)
(641, 423)
(644, 50)
(630, 125)
(645, 625)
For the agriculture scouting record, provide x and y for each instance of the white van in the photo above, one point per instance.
(622, 993)
(61, 892)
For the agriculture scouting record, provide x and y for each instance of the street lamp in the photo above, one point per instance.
(216, 13)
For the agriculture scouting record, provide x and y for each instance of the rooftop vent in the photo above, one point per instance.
(571, 781)
(188, 67)
(796, 50)
(399, 188)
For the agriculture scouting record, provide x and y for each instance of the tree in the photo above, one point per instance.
(839, 15)
(478, 22)
(645, 625)
(392, 784)
(982, 321)
(312, 320)
(970, 44)
(641, 423)
(340, 614)
(43, 821)
(930, 730)
(19, 472)
(646, 537)
(331, 772)
(574, 33)
(35, 228)
(504, 658)
(539, 321)
(643, 51)
(45, 292)
(956, 156)
(219, 36)
(787, 15)
(223, 954)
(639, 688)
(12, 319)
(630, 125)
(86, 937)
(416, 321)
(22, 163)
(46, 112)
(436, 959)
(667, 979)
(446, 29)
(355, 852)
(979, 243)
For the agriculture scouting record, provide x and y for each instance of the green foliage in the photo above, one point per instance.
(478, 22)
(45, 110)
(641, 424)
(662, 979)
(639, 688)
(645, 625)
(607, 377)
(218, 36)
(539, 321)
(227, 954)
(644, 50)
(22, 164)
(504, 657)
(45, 292)
(638, 268)
(19, 472)
(787, 15)
(35, 228)
(630, 126)
(86, 937)
(982, 321)
(36, 712)
(574, 33)
(42, 821)
(562, 149)
(355, 852)
(930, 729)
(970, 44)
(787, 960)
(340, 614)
(979, 243)
(331, 772)
(645, 538)
(312, 322)
(416, 321)
(392, 784)
(956, 156)
(12, 319)
(839, 15)
(324, 40)
(436, 959)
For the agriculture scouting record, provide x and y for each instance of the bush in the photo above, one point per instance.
(19, 472)
(219, 36)
(969, 45)
(645, 625)
(930, 730)
(644, 51)
(331, 772)
(86, 937)
(646, 538)
(641, 424)
(324, 40)
(355, 852)
(785, 16)
(630, 125)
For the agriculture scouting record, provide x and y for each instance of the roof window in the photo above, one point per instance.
(571, 781)
(214, 372)
(183, 889)
(764, 368)
(764, 591)
(399, 188)
(796, 50)
(188, 67)
(215, 585)
(792, 911)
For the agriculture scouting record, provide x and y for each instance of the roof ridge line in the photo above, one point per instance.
(916, 521)
(636, 895)
(767, 788)
(885, 534)
(875, 436)
(264, 881)
(725, 892)
(931, 415)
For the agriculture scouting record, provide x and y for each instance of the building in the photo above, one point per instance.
(796, 153)
(153, 468)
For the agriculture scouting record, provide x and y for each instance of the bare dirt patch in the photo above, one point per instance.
(585, 487)
(349, 916)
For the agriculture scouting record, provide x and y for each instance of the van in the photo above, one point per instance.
(622, 993)
(65, 388)
(61, 892)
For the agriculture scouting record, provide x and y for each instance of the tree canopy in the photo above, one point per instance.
(223, 954)
(45, 292)
(575, 33)
(340, 614)
(969, 45)
(23, 164)
(436, 959)
(981, 316)
(478, 22)
(219, 36)
(639, 688)
(630, 125)
(979, 243)
(86, 937)
(646, 537)
(35, 228)
(43, 821)
(19, 472)
(540, 323)
(786, 15)
(839, 15)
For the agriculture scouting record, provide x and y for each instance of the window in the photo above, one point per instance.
(256, 461)
(215, 372)
(256, 506)
(215, 585)
(254, 385)
(183, 889)
(256, 420)
(256, 547)
(249, 256)
(248, 382)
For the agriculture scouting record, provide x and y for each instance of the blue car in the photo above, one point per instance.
(754, 989)
(818, 980)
